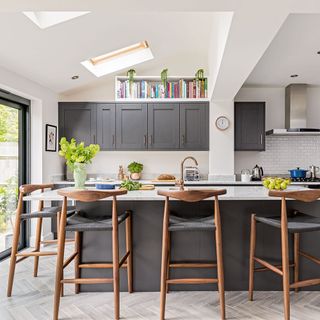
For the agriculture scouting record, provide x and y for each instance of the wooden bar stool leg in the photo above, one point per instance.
(252, 253)
(15, 245)
(60, 258)
(219, 259)
(129, 248)
(168, 260)
(37, 246)
(296, 258)
(58, 229)
(115, 254)
(163, 287)
(77, 247)
(285, 260)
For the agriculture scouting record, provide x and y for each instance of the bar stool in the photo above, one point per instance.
(295, 224)
(82, 222)
(43, 212)
(173, 223)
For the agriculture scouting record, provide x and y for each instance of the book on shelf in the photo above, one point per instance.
(174, 89)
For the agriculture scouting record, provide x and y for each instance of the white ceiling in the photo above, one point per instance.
(293, 51)
(179, 41)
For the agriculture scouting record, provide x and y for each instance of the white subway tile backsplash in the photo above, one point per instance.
(282, 153)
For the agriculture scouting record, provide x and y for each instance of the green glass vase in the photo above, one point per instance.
(79, 175)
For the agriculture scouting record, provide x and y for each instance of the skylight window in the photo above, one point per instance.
(119, 59)
(46, 19)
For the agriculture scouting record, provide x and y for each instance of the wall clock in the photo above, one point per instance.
(222, 123)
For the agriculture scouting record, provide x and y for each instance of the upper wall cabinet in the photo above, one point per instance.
(194, 126)
(163, 126)
(106, 126)
(131, 126)
(137, 126)
(78, 120)
(249, 126)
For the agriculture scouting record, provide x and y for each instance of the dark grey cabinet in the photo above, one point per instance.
(106, 126)
(194, 126)
(78, 120)
(163, 126)
(137, 126)
(249, 126)
(131, 126)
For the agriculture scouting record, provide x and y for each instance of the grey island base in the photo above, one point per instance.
(235, 213)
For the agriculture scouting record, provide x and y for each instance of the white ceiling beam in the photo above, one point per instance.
(252, 30)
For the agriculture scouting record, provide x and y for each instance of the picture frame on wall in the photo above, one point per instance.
(51, 138)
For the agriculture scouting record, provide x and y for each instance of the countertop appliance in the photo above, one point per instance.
(295, 113)
(313, 171)
(257, 173)
(246, 175)
(191, 173)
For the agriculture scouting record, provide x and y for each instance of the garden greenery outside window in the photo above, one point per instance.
(9, 171)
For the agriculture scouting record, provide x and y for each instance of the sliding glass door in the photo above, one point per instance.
(12, 169)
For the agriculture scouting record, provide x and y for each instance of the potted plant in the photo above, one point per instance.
(130, 74)
(199, 74)
(164, 78)
(135, 169)
(78, 156)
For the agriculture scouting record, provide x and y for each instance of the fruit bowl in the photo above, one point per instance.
(276, 183)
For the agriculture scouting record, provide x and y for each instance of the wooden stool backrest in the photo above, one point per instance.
(90, 195)
(192, 195)
(300, 195)
(28, 188)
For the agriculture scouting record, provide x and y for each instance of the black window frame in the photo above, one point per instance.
(23, 105)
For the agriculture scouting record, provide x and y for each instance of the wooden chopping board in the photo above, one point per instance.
(157, 180)
(147, 187)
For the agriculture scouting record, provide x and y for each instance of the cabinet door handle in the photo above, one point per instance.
(260, 138)
(113, 139)
(145, 139)
(151, 139)
(183, 139)
(94, 138)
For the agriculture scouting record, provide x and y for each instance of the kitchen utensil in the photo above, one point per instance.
(246, 175)
(298, 173)
(257, 173)
(314, 170)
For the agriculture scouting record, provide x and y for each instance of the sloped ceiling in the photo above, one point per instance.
(179, 41)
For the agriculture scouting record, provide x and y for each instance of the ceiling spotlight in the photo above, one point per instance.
(294, 76)
(75, 77)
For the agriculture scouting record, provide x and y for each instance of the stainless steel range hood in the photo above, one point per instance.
(295, 113)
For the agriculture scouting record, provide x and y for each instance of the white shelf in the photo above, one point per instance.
(157, 78)
(163, 100)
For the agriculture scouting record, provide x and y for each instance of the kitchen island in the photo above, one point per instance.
(236, 208)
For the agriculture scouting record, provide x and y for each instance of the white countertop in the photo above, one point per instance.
(200, 182)
(233, 193)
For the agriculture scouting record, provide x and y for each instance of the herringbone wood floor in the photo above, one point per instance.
(32, 300)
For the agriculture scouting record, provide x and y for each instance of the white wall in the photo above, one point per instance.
(281, 153)
(155, 162)
(221, 154)
(44, 109)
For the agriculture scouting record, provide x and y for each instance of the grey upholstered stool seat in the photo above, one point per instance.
(48, 212)
(298, 223)
(80, 222)
(188, 224)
